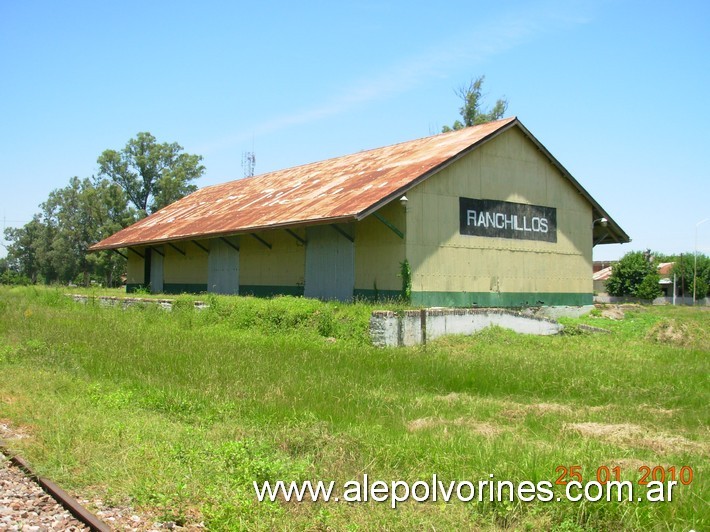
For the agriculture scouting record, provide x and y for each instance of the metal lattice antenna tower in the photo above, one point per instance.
(248, 163)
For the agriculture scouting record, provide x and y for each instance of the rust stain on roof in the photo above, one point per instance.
(340, 189)
(343, 189)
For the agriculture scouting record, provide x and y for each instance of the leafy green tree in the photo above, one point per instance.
(27, 249)
(471, 111)
(634, 275)
(684, 269)
(8, 274)
(53, 246)
(152, 175)
(649, 287)
(79, 215)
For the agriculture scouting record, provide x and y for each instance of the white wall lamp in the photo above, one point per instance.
(603, 222)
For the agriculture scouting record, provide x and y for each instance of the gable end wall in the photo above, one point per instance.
(453, 269)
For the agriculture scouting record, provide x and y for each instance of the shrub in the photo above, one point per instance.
(633, 276)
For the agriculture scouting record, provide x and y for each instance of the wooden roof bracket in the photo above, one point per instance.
(261, 240)
(339, 230)
(229, 243)
(389, 224)
(176, 248)
(203, 248)
(600, 240)
(296, 236)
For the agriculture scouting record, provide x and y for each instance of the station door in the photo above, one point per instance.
(222, 268)
(330, 263)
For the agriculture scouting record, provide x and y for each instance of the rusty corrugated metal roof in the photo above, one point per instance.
(665, 268)
(340, 189)
(343, 189)
(602, 275)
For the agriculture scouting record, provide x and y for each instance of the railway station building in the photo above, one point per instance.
(484, 216)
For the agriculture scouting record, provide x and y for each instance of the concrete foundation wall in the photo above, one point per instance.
(687, 300)
(389, 329)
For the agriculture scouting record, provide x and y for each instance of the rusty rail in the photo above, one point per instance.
(58, 494)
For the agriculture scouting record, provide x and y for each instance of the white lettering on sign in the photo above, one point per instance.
(506, 219)
(499, 220)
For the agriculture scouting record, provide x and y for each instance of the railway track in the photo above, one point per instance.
(29, 502)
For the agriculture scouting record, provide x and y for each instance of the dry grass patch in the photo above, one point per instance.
(669, 331)
(657, 411)
(452, 398)
(630, 435)
(626, 464)
(517, 410)
(481, 428)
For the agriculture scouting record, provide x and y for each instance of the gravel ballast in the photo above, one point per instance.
(25, 506)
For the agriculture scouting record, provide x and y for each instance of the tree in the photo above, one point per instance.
(80, 214)
(152, 175)
(8, 275)
(53, 246)
(634, 275)
(471, 110)
(27, 248)
(684, 270)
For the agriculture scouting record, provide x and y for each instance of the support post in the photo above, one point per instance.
(422, 320)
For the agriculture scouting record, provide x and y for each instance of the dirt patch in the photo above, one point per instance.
(8, 432)
(481, 428)
(612, 313)
(669, 331)
(636, 307)
(630, 435)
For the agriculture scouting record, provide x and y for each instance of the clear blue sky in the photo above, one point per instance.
(618, 91)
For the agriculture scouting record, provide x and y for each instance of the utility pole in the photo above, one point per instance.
(695, 265)
(682, 279)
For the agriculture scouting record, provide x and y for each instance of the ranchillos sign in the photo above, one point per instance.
(505, 219)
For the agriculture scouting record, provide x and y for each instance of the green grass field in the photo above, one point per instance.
(175, 414)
